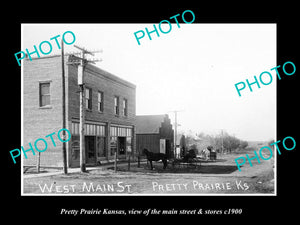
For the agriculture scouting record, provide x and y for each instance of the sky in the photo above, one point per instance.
(192, 69)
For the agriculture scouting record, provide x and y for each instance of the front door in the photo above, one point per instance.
(168, 148)
(162, 146)
(121, 147)
(90, 149)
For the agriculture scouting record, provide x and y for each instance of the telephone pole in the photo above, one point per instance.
(222, 142)
(81, 62)
(175, 129)
(81, 112)
(64, 151)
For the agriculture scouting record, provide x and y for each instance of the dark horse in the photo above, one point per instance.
(151, 156)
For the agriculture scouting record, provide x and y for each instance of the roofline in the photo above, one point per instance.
(164, 114)
(109, 76)
(45, 57)
(92, 68)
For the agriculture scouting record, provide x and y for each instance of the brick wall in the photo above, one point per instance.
(97, 80)
(41, 121)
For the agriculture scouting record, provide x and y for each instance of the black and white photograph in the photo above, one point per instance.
(178, 113)
(150, 112)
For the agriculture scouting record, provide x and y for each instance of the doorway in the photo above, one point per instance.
(90, 149)
(168, 148)
(121, 146)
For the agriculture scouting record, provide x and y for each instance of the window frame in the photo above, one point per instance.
(88, 101)
(100, 104)
(41, 95)
(125, 108)
(116, 105)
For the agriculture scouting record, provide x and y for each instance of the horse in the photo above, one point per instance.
(151, 156)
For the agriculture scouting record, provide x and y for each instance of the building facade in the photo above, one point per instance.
(109, 103)
(155, 133)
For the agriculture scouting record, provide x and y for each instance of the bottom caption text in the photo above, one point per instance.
(151, 211)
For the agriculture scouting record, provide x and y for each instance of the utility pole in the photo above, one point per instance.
(81, 113)
(81, 62)
(222, 141)
(64, 151)
(175, 138)
(175, 129)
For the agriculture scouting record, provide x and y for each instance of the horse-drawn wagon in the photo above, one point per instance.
(208, 154)
(189, 160)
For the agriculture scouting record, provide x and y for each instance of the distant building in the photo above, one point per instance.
(155, 133)
(110, 104)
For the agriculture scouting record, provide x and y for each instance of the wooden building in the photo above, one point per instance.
(109, 111)
(155, 133)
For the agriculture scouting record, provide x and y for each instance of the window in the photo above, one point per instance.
(113, 145)
(113, 131)
(128, 144)
(125, 108)
(101, 150)
(100, 101)
(88, 98)
(44, 94)
(116, 105)
(75, 147)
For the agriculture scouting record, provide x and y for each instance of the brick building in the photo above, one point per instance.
(109, 112)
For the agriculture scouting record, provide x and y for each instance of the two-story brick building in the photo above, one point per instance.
(109, 112)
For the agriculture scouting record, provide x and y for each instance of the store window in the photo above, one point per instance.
(113, 145)
(121, 140)
(101, 151)
(129, 144)
(75, 147)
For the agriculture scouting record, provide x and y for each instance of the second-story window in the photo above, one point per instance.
(116, 105)
(88, 98)
(100, 101)
(125, 107)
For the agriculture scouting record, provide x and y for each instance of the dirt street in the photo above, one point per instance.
(212, 177)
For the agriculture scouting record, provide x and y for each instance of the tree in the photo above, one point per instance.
(244, 144)
(231, 143)
(223, 139)
(182, 145)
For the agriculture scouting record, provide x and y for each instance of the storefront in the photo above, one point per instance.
(95, 143)
(121, 140)
(97, 147)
